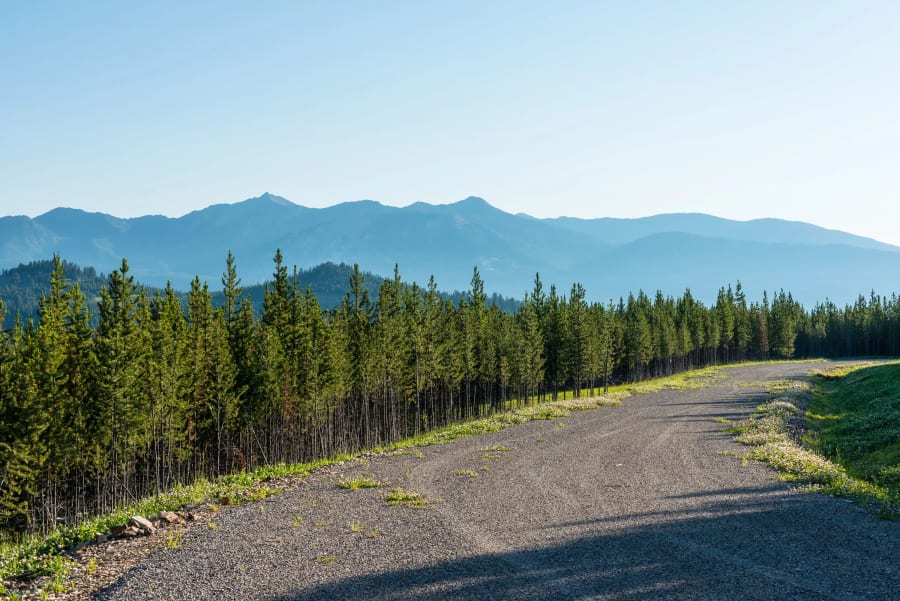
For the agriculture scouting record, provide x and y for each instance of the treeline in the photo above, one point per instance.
(21, 288)
(162, 392)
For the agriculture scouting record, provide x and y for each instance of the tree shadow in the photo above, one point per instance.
(760, 546)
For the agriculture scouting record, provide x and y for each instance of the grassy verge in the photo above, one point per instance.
(854, 420)
(834, 435)
(499, 421)
(549, 410)
(35, 556)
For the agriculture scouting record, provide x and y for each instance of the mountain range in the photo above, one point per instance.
(610, 257)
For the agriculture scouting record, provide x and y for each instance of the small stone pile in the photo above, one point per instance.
(141, 526)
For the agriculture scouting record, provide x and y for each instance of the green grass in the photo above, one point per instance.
(849, 447)
(690, 380)
(363, 481)
(357, 526)
(397, 497)
(174, 538)
(549, 410)
(496, 449)
(468, 473)
(853, 419)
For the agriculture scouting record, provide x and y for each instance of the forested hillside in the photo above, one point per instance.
(21, 288)
(160, 391)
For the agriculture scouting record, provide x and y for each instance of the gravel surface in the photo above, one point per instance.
(630, 502)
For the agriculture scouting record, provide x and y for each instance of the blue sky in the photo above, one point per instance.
(590, 109)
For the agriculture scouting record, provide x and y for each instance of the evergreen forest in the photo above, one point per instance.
(21, 288)
(100, 408)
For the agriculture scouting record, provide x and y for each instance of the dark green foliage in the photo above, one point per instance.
(22, 449)
(161, 388)
(21, 288)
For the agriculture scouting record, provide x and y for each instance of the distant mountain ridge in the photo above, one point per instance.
(609, 256)
(613, 230)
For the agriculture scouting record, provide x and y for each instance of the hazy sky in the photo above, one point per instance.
(740, 109)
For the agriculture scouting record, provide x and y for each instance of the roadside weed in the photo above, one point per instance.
(496, 449)
(363, 481)
(468, 473)
(405, 498)
(174, 538)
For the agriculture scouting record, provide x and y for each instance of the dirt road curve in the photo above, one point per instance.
(631, 502)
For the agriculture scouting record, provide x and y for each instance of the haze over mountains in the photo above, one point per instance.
(610, 257)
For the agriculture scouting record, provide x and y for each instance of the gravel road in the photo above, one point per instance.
(630, 502)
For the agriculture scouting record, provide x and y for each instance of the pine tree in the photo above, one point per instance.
(169, 384)
(277, 346)
(23, 450)
(119, 415)
(59, 403)
(212, 376)
(664, 334)
(224, 398)
(477, 361)
(605, 349)
(15, 475)
(783, 326)
(724, 310)
(439, 368)
(577, 356)
(759, 322)
(231, 290)
(357, 317)
(741, 322)
(532, 346)
(246, 350)
(552, 332)
(638, 339)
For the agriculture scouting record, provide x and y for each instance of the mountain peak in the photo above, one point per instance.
(63, 211)
(473, 201)
(274, 199)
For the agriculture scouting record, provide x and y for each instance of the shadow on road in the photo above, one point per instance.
(754, 548)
